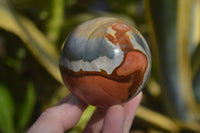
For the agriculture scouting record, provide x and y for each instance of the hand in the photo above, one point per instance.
(115, 119)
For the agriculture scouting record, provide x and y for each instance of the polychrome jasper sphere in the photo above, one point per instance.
(105, 62)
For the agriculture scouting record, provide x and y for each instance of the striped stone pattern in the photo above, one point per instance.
(105, 62)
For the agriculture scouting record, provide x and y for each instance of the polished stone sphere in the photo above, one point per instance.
(105, 61)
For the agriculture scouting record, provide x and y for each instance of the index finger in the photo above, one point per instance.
(60, 117)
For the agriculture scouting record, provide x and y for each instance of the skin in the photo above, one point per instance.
(67, 113)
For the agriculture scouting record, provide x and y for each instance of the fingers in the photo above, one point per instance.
(61, 117)
(130, 109)
(114, 120)
(66, 114)
(109, 120)
(117, 118)
(96, 122)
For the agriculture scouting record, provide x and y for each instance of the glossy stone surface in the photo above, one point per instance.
(105, 62)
